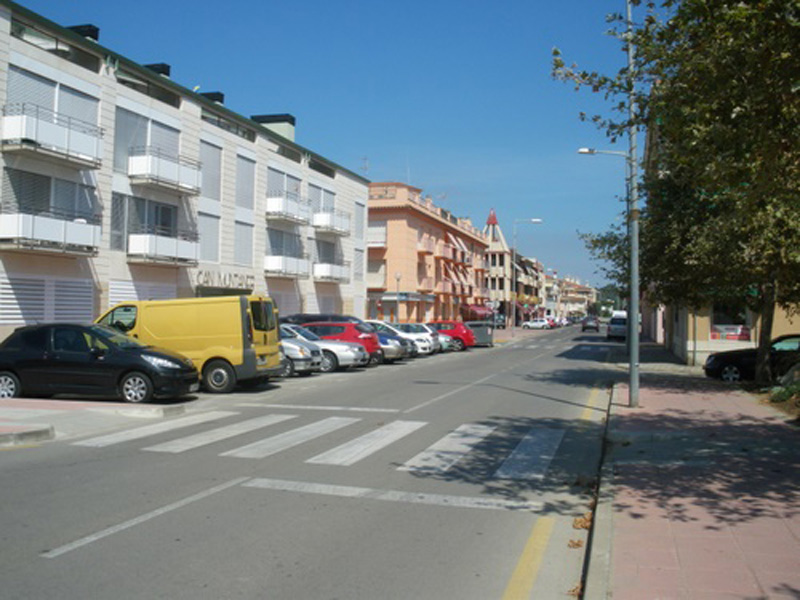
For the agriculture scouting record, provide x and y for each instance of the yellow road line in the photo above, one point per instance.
(587, 413)
(527, 569)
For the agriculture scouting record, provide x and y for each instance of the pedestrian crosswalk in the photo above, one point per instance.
(527, 456)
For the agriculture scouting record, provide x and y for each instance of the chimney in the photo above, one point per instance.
(87, 31)
(160, 68)
(281, 124)
(217, 97)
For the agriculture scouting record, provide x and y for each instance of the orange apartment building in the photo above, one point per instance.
(423, 262)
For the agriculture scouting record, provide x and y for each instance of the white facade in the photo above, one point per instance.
(117, 184)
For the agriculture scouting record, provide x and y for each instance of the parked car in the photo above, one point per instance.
(302, 357)
(66, 358)
(617, 327)
(394, 347)
(303, 318)
(736, 365)
(590, 323)
(347, 331)
(462, 335)
(536, 324)
(446, 342)
(422, 341)
(422, 335)
(335, 355)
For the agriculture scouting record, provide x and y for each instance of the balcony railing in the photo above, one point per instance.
(158, 246)
(332, 221)
(445, 251)
(287, 206)
(287, 266)
(338, 272)
(50, 232)
(376, 238)
(425, 246)
(376, 281)
(31, 128)
(149, 165)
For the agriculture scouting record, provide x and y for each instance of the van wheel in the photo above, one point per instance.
(136, 387)
(218, 377)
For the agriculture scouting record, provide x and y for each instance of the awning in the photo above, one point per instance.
(478, 310)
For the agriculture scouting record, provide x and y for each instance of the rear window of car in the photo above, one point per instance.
(618, 321)
(364, 328)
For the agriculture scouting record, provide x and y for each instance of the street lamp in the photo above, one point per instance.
(397, 276)
(514, 271)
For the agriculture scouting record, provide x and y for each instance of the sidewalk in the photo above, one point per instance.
(699, 494)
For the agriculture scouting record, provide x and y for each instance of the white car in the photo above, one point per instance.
(422, 336)
(536, 324)
(423, 341)
(335, 354)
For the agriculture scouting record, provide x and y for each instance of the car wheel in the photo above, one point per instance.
(218, 377)
(375, 360)
(458, 345)
(730, 373)
(329, 362)
(136, 387)
(288, 368)
(9, 385)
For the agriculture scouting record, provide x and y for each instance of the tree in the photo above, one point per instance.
(719, 90)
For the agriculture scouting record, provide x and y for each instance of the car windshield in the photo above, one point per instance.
(115, 337)
(287, 334)
(618, 321)
(307, 334)
(412, 328)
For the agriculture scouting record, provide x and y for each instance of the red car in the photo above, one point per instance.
(462, 335)
(360, 333)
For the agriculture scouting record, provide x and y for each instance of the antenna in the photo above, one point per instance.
(365, 164)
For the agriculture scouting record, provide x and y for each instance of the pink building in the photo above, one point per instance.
(424, 263)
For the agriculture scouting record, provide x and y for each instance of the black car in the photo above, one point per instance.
(735, 365)
(303, 318)
(62, 358)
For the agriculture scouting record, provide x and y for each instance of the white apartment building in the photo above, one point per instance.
(117, 184)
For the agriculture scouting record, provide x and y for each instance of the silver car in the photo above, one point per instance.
(303, 357)
(335, 354)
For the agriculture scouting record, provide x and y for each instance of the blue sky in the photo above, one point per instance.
(451, 96)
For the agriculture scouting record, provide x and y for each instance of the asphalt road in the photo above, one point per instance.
(454, 476)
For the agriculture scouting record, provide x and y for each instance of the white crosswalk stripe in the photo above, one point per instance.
(449, 450)
(290, 439)
(361, 447)
(532, 456)
(215, 435)
(150, 430)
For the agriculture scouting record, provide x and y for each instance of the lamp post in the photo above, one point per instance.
(514, 271)
(397, 276)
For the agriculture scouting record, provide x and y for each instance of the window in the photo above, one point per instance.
(208, 229)
(284, 243)
(263, 315)
(245, 182)
(211, 158)
(133, 215)
(134, 133)
(359, 216)
(55, 46)
(142, 84)
(327, 253)
(228, 125)
(358, 265)
(31, 193)
(243, 244)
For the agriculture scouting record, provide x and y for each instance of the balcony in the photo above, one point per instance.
(335, 272)
(425, 284)
(286, 206)
(425, 246)
(50, 232)
(151, 166)
(28, 128)
(164, 247)
(444, 287)
(286, 266)
(332, 222)
(376, 238)
(376, 281)
(445, 251)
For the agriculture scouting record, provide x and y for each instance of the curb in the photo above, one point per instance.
(598, 568)
(15, 435)
(143, 411)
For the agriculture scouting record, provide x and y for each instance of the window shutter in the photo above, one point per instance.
(211, 157)
(29, 88)
(77, 105)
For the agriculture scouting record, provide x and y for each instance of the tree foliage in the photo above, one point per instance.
(718, 89)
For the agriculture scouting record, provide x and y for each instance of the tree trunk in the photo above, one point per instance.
(763, 366)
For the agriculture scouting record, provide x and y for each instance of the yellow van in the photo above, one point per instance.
(229, 338)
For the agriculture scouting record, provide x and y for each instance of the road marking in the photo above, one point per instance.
(525, 573)
(361, 447)
(142, 432)
(215, 435)
(447, 451)
(532, 456)
(591, 405)
(448, 394)
(290, 439)
(392, 495)
(336, 408)
(141, 519)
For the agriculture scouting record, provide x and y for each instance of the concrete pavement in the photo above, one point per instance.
(700, 492)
